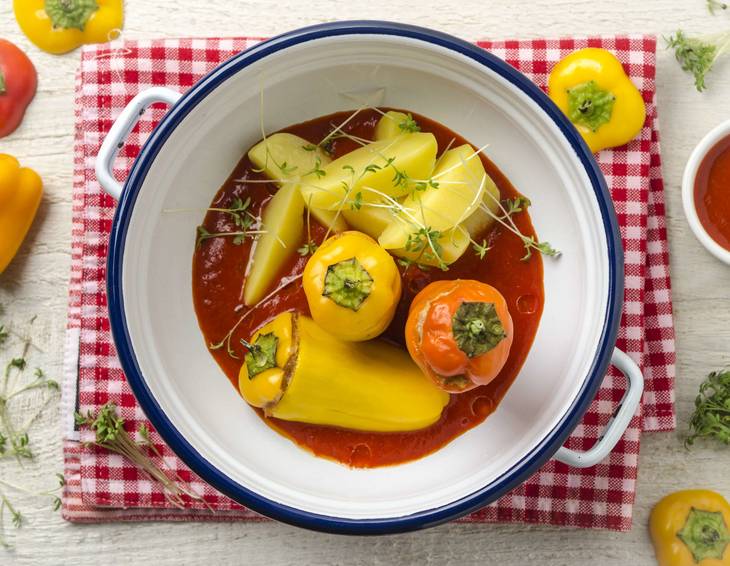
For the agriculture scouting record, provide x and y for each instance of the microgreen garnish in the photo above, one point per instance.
(317, 170)
(531, 244)
(308, 248)
(238, 237)
(515, 205)
(713, 5)
(239, 212)
(356, 203)
(409, 125)
(697, 55)
(425, 243)
(711, 418)
(480, 249)
(111, 435)
(309, 147)
(15, 440)
(423, 185)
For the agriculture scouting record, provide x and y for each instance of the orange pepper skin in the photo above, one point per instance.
(432, 342)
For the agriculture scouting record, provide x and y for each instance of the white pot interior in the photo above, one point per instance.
(302, 82)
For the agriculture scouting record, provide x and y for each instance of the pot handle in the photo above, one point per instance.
(114, 140)
(618, 423)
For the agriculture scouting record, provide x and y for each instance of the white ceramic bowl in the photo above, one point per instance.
(688, 190)
(193, 150)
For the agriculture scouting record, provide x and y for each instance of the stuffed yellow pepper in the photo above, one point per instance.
(593, 91)
(691, 527)
(296, 371)
(20, 194)
(59, 26)
(353, 286)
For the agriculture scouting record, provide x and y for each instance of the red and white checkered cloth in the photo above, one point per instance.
(105, 487)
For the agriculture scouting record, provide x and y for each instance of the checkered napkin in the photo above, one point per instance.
(106, 487)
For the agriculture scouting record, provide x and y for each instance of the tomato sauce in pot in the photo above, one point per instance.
(218, 276)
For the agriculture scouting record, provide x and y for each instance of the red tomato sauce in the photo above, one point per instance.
(712, 192)
(218, 275)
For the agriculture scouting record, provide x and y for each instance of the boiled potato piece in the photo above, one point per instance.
(371, 220)
(367, 168)
(480, 219)
(393, 124)
(453, 245)
(284, 157)
(461, 184)
(283, 221)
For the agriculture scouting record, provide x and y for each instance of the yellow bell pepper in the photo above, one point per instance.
(59, 26)
(690, 528)
(353, 286)
(593, 91)
(20, 194)
(296, 371)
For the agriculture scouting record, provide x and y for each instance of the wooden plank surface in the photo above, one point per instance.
(36, 284)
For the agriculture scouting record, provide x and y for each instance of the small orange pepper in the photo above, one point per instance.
(459, 332)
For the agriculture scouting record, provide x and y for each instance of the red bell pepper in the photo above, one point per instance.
(18, 82)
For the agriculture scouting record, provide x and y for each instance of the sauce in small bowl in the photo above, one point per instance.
(706, 192)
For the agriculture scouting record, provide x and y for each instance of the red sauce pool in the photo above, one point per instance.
(712, 192)
(219, 265)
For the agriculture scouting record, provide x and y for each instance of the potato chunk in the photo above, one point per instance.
(394, 123)
(286, 157)
(283, 221)
(383, 166)
(456, 190)
(453, 244)
(480, 219)
(371, 220)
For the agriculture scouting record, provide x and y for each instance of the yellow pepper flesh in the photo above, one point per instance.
(592, 89)
(59, 26)
(20, 194)
(353, 286)
(319, 379)
(691, 527)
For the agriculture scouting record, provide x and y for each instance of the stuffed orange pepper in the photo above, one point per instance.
(459, 332)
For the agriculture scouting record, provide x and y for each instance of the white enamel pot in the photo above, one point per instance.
(191, 153)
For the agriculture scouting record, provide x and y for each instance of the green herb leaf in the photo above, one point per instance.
(713, 5)
(409, 125)
(711, 418)
(308, 248)
(697, 55)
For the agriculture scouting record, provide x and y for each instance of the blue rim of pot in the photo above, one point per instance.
(531, 462)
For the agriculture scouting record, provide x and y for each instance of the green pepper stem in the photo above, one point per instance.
(477, 328)
(347, 283)
(589, 105)
(705, 534)
(70, 14)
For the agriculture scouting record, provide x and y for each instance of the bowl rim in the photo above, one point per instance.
(345, 525)
(703, 147)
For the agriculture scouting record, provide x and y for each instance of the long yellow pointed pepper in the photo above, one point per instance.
(20, 194)
(296, 371)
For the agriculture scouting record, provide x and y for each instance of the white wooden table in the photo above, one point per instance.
(36, 284)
